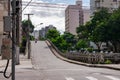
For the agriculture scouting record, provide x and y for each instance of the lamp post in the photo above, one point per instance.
(35, 31)
(28, 37)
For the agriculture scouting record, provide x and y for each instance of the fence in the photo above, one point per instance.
(87, 57)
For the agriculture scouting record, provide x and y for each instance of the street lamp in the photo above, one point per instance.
(36, 31)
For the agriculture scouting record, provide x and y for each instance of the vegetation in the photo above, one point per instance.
(108, 62)
(63, 42)
(103, 27)
(25, 33)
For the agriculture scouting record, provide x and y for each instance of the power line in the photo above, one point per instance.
(37, 4)
(26, 5)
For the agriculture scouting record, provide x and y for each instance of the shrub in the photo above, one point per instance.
(108, 62)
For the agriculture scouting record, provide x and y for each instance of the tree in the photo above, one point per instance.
(52, 34)
(24, 33)
(70, 39)
(25, 26)
(98, 22)
(81, 44)
(114, 30)
(60, 43)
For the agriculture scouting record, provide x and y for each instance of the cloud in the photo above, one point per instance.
(45, 12)
(47, 16)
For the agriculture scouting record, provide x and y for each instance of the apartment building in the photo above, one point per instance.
(110, 4)
(73, 17)
(86, 15)
(43, 31)
(3, 12)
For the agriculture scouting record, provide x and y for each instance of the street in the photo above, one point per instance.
(52, 68)
(46, 66)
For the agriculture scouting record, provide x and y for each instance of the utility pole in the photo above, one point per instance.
(13, 37)
(28, 37)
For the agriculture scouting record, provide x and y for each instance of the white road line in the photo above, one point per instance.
(69, 78)
(91, 78)
(112, 78)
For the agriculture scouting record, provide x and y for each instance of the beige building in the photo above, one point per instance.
(110, 4)
(86, 15)
(3, 12)
(73, 17)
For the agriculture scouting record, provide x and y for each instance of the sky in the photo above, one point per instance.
(49, 15)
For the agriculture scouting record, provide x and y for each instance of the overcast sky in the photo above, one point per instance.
(49, 15)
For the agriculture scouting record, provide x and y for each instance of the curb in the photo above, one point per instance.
(77, 62)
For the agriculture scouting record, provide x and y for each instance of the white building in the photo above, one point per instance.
(110, 4)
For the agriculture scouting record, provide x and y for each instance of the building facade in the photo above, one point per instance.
(3, 12)
(43, 31)
(110, 4)
(6, 10)
(86, 15)
(73, 17)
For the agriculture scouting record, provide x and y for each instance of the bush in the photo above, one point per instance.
(23, 45)
(108, 62)
(90, 49)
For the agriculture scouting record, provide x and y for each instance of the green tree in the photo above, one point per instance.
(52, 34)
(60, 43)
(70, 39)
(25, 25)
(81, 44)
(24, 33)
(113, 32)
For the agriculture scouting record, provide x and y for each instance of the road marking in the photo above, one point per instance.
(69, 78)
(64, 70)
(91, 78)
(112, 78)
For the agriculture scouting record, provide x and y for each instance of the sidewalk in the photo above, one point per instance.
(24, 63)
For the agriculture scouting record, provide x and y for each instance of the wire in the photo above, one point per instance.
(26, 5)
(4, 73)
(5, 70)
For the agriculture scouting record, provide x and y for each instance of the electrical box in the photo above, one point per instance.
(7, 24)
(6, 48)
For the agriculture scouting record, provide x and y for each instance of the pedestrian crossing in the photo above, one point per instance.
(112, 78)
(94, 78)
(91, 78)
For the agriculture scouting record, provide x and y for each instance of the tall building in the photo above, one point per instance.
(86, 15)
(110, 4)
(3, 12)
(73, 17)
(43, 31)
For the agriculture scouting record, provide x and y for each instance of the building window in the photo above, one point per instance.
(102, 0)
(119, 3)
(97, 0)
(114, 0)
(97, 4)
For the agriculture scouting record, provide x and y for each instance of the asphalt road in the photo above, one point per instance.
(48, 67)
